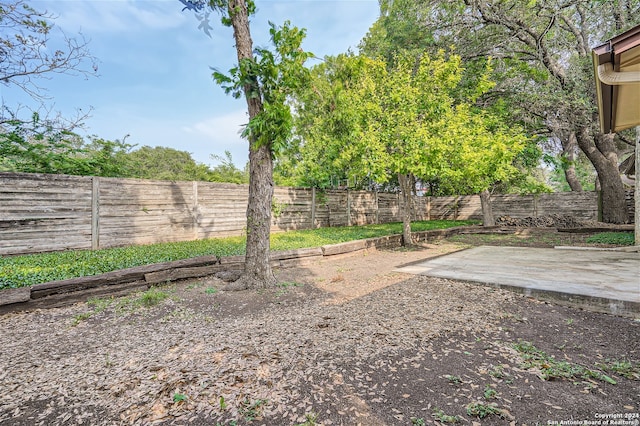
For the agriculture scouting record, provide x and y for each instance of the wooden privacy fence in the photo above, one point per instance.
(57, 212)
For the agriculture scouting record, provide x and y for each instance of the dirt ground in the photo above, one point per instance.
(344, 341)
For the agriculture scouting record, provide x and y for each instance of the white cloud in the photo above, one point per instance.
(220, 133)
(115, 16)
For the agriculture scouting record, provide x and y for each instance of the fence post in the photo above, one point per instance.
(194, 210)
(348, 208)
(95, 213)
(455, 211)
(377, 206)
(535, 205)
(313, 207)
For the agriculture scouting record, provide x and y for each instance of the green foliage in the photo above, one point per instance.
(367, 120)
(27, 270)
(482, 410)
(179, 397)
(20, 271)
(227, 171)
(99, 305)
(328, 118)
(146, 299)
(551, 369)
(585, 172)
(543, 66)
(456, 380)
(310, 420)
(398, 29)
(271, 76)
(152, 297)
(627, 369)
(417, 421)
(489, 392)
(43, 146)
(251, 410)
(284, 287)
(163, 163)
(440, 416)
(617, 238)
(333, 235)
(277, 208)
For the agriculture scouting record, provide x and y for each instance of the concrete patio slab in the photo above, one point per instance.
(606, 281)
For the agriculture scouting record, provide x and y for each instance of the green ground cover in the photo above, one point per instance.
(617, 238)
(27, 270)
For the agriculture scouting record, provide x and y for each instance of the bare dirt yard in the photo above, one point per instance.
(344, 341)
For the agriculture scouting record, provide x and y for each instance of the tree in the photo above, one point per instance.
(582, 173)
(543, 68)
(481, 154)
(163, 163)
(38, 147)
(326, 120)
(226, 171)
(28, 55)
(407, 122)
(32, 139)
(266, 80)
(556, 41)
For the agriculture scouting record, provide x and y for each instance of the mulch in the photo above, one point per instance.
(340, 342)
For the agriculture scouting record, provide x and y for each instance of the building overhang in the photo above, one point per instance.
(617, 72)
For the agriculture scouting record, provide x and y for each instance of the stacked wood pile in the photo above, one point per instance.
(548, 221)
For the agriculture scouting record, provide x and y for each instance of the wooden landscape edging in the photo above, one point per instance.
(65, 292)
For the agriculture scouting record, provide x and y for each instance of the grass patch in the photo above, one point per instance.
(551, 369)
(97, 305)
(284, 287)
(617, 238)
(456, 380)
(482, 410)
(624, 368)
(440, 416)
(147, 299)
(27, 270)
(251, 410)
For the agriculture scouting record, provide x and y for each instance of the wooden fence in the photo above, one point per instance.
(56, 212)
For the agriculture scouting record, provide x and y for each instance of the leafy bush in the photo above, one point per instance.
(27, 270)
(617, 238)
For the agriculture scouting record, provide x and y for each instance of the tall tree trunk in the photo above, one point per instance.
(257, 270)
(407, 207)
(570, 171)
(487, 209)
(601, 152)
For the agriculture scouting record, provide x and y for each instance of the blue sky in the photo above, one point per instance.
(154, 67)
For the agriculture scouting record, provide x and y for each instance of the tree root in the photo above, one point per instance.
(238, 285)
(246, 282)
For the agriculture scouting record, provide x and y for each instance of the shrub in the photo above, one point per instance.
(616, 238)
